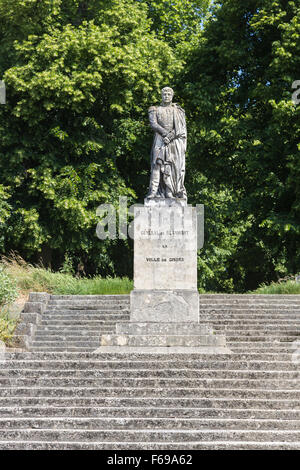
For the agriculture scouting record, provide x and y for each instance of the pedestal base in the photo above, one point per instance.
(164, 337)
(164, 315)
(164, 306)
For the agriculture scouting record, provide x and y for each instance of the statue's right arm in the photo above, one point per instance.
(154, 124)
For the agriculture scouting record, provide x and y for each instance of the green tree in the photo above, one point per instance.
(178, 21)
(246, 133)
(78, 92)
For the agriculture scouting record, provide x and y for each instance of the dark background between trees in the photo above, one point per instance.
(80, 76)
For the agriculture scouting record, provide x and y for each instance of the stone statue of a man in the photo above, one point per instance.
(168, 150)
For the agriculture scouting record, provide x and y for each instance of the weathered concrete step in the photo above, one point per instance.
(66, 344)
(74, 329)
(92, 300)
(137, 360)
(162, 435)
(261, 338)
(244, 310)
(62, 349)
(60, 334)
(84, 310)
(163, 329)
(252, 302)
(93, 317)
(144, 412)
(253, 324)
(263, 328)
(117, 297)
(75, 322)
(251, 296)
(128, 392)
(274, 343)
(195, 445)
(149, 373)
(250, 365)
(67, 337)
(163, 340)
(268, 317)
(151, 402)
(146, 423)
(253, 348)
(229, 362)
(266, 384)
(70, 315)
(87, 306)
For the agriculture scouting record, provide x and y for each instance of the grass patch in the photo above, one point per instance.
(18, 278)
(287, 287)
(31, 278)
(7, 327)
(8, 294)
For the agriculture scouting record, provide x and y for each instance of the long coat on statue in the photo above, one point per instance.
(168, 160)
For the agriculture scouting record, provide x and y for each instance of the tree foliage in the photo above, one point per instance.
(78, 95)
(246, 133)
(74, 133)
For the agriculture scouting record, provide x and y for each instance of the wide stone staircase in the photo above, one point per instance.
(62, 395)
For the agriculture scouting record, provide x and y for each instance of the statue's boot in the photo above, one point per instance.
(154, 183)
(169, 193)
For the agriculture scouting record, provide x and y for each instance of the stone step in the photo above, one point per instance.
(259, 350)
(268, 317)
(66, 337)
(244, 309)
(263, 330)
(163, 329)
(251, 296)
(244, 364)
(88, 305)
(73, 329)
(152, 402)
(88, 314)
(62, 349)
(75, 322)
(155, 382)
(262, 322)
(138, 446)
(144, 412)
(74, 298)
(81, 317)
(82, 333)
(97, 424)
(285, 336)
(161, 435)
(206, 374)
(249, 310)
(260, 338)
(241, 301)
(132, 358)
(67, 343)
(146, 392)
(149, 360)
(88, 309)
(163, 340)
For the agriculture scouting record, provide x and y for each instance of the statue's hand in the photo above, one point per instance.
(171, 136)
(166, 140)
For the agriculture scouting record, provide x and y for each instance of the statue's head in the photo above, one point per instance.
(167, 94)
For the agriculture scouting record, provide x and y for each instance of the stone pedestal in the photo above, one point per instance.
(165, 264)
(165, 301)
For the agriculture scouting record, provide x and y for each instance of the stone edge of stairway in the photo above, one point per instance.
(162, 350)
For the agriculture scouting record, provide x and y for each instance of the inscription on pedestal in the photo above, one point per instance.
(165, 248)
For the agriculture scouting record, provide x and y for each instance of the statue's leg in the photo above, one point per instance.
(154, 181)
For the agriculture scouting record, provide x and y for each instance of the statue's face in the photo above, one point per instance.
(167, 96)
